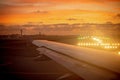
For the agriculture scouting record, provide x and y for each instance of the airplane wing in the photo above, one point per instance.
(90, 64)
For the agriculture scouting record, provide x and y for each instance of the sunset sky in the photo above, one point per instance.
(59, 11)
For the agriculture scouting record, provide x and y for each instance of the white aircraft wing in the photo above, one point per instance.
(90, 64)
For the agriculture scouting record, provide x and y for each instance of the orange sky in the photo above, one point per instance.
(59, 11)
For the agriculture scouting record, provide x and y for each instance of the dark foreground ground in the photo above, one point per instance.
(19, 60)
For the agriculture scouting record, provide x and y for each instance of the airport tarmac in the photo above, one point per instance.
(20, 60)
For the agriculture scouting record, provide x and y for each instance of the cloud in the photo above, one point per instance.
(10, 4)
(58, 29)
(16, 8)
(41, 12)
(71, 19)
(34, 23)
(117, 16)
(113, 0)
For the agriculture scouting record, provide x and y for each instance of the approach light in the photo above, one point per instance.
(119, 52)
